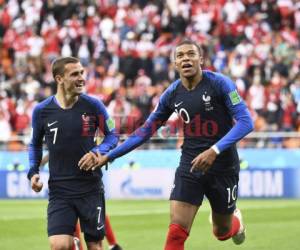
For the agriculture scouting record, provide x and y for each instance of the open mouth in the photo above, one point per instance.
(79, 85)
(187, 66)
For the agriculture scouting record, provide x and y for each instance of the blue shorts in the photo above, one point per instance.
(90, 210)
(220, 190)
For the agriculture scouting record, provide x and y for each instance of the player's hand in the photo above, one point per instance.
(91, 161)
(204, 160)
(36, 184)
(102, 160)
(88, 161)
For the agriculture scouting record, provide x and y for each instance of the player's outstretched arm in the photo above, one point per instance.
(156, 119)
(92, 160)
(137, 138)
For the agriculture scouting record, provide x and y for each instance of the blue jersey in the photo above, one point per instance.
(208, 113)
(69, 134)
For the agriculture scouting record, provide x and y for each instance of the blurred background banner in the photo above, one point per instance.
(169, 158)
(154, 183)
(147, 183)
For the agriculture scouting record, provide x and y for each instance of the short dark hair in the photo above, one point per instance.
(58, 65)
(190, 42)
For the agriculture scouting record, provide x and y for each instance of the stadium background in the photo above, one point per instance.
(125, 47)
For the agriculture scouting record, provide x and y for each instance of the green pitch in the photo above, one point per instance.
(142, 225)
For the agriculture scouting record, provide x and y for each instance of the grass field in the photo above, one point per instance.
(142, 225)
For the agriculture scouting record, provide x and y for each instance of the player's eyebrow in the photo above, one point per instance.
(76, 72)
(179, 53)
(186, 52)
(190, 51)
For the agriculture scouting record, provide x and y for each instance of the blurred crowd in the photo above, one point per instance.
(125, 47)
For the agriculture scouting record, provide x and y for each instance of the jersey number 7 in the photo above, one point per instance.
(55, 134)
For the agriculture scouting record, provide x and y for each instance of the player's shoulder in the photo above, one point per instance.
(172, 87)
(216, 77)
(43, 104)
(170, 91)
(220, 83)
(92, 103)
(92, 100)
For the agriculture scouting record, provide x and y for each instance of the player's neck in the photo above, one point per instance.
(66, 101)
(191, 83)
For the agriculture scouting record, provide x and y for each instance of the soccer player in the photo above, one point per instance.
(69, 121)
(208, 104)
(109, 233)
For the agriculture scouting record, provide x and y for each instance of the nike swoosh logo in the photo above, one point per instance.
(177, 104)
(99, 228)
(52, 123)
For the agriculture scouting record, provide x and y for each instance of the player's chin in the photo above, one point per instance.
(79, 90)
(188, 74)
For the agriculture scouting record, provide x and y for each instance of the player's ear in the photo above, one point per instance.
(173, 58)
(201, 60)
(176, 65)
(58, 79)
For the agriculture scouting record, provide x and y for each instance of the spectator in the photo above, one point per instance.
(120, 109)
(255, 42)
(5, 128)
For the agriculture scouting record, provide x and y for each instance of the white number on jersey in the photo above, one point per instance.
(55, 134)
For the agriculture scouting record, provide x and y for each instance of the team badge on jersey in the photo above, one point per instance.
(85, 117)
(206, 98)
(235, 97)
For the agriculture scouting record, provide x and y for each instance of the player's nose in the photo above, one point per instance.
(186, 59)
(81, 77)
